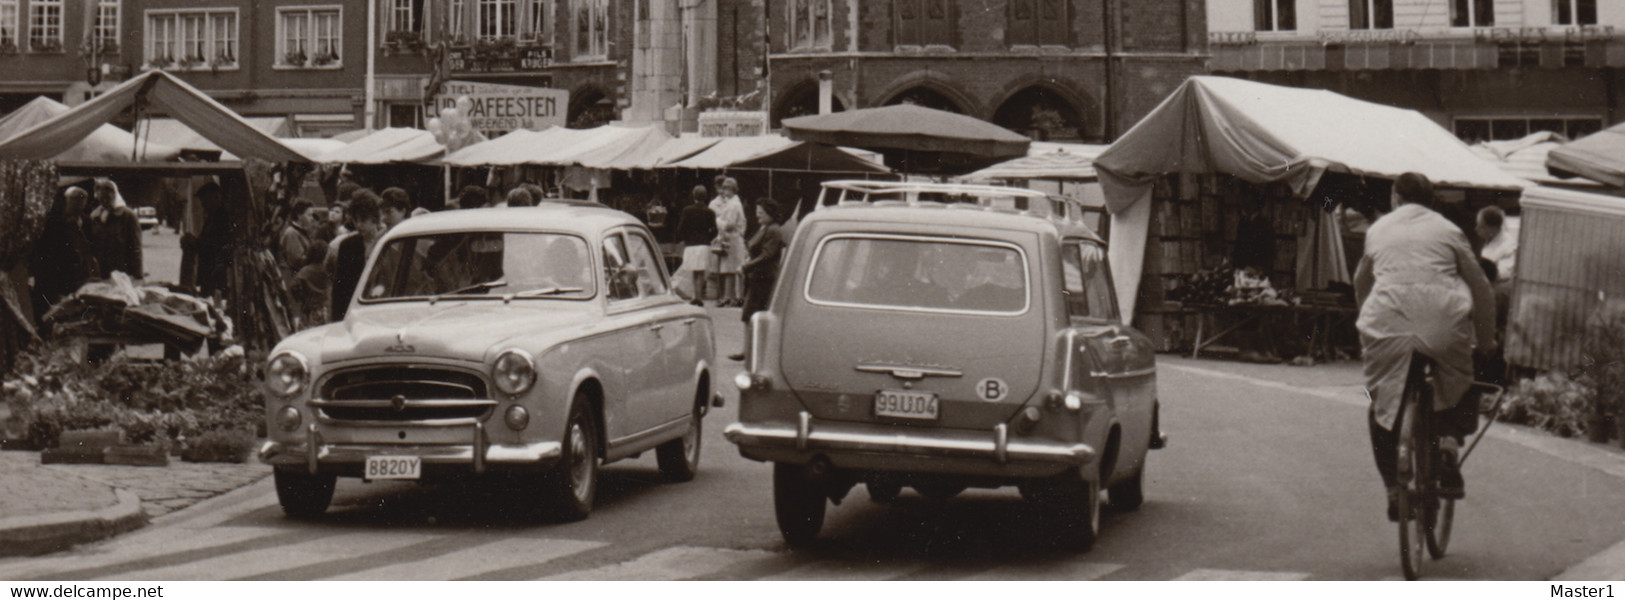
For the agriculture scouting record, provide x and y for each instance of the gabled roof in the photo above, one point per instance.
(158, 89)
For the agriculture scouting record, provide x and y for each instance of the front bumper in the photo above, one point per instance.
(478, 456)
(889, 448)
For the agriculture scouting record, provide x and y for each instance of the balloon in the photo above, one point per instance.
(435, 127)
(450, 116)
(464, 104)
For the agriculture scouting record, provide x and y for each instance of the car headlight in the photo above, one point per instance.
(287, 374)
(515, 372)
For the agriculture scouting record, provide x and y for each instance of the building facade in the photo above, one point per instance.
(1486, 69)
(1077, 70)
(1064, 70)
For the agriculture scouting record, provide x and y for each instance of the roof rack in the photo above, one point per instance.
(993, 198)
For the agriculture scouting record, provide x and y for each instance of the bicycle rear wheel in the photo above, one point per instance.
(1414, 472)
(1439, 533)
(1412, 531)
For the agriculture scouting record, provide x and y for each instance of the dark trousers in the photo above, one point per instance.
(1458, 421)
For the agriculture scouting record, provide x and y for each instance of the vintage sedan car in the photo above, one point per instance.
(530, 344)
(943, 336)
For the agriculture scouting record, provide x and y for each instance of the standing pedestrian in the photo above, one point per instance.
(351, 257)
(518, 196)
(396, 207)
(761, 272)
(296, 241)
(62, 259)
(731, 239)
(214, 241)
(473, 196)
(114, 232)
(696, 227)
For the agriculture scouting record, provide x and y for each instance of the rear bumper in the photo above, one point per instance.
(881, 447)
(476, 457)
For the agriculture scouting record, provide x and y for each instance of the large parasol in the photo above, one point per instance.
(914, 139)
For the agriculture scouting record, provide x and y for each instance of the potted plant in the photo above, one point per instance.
(403, 41)
(222, 61)
(7, 46)
(495, 47)
(324, 59)
(294, 58)
(160, 62)
(192, 62)
(45, 45)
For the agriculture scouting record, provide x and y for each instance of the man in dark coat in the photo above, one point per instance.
(114, 232)
(62, 259)
(351, 258)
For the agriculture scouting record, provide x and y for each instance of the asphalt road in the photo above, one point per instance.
(1267, 477)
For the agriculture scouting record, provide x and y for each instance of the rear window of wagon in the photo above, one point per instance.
(919, 273)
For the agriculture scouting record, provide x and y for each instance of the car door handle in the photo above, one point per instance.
(689, 321)
(657, 327)
(1121, 340)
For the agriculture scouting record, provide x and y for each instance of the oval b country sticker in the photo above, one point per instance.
(992, 389)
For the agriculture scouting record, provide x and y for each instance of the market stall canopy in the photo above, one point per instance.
(613, 145)
(1526, 158)
(394, 144)
(777, 153)
(104, 144)
(908, 127)
(177, 134)
(1599, 157)
(158, 89)
(556, 146)
(669, 150)
(1045, 161)
(1263, 133)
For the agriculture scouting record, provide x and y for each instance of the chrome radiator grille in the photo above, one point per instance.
(400, 394)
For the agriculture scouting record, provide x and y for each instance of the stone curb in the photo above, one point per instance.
(49, 532)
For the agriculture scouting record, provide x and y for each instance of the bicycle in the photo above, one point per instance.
(1425, 516)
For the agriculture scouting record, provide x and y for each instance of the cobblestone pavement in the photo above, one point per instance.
(181, 484)
(162, 489)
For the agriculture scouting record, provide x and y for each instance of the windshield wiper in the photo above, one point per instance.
(552, 291)
(481, 287)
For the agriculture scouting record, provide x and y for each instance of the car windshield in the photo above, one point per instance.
(932, 274)
(481, 264)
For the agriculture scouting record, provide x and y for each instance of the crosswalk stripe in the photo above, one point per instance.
(1228, 575)
(1056, 571)
(246, 564)
(836, 570)
(501, 554)
(133, 548)
(679, 562)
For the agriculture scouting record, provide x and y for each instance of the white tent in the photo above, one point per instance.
(394, 144)
(106, 144)
(158, 88)
(1262, 133)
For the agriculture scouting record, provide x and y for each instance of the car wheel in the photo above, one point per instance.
(679, 459)
(938, 491)
(1128, 495)
(303, 495)
(1075, 503)
(882, 492)
(798, 503)
(575, 479)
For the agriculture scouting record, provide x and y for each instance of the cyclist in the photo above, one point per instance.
(1420, 289)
